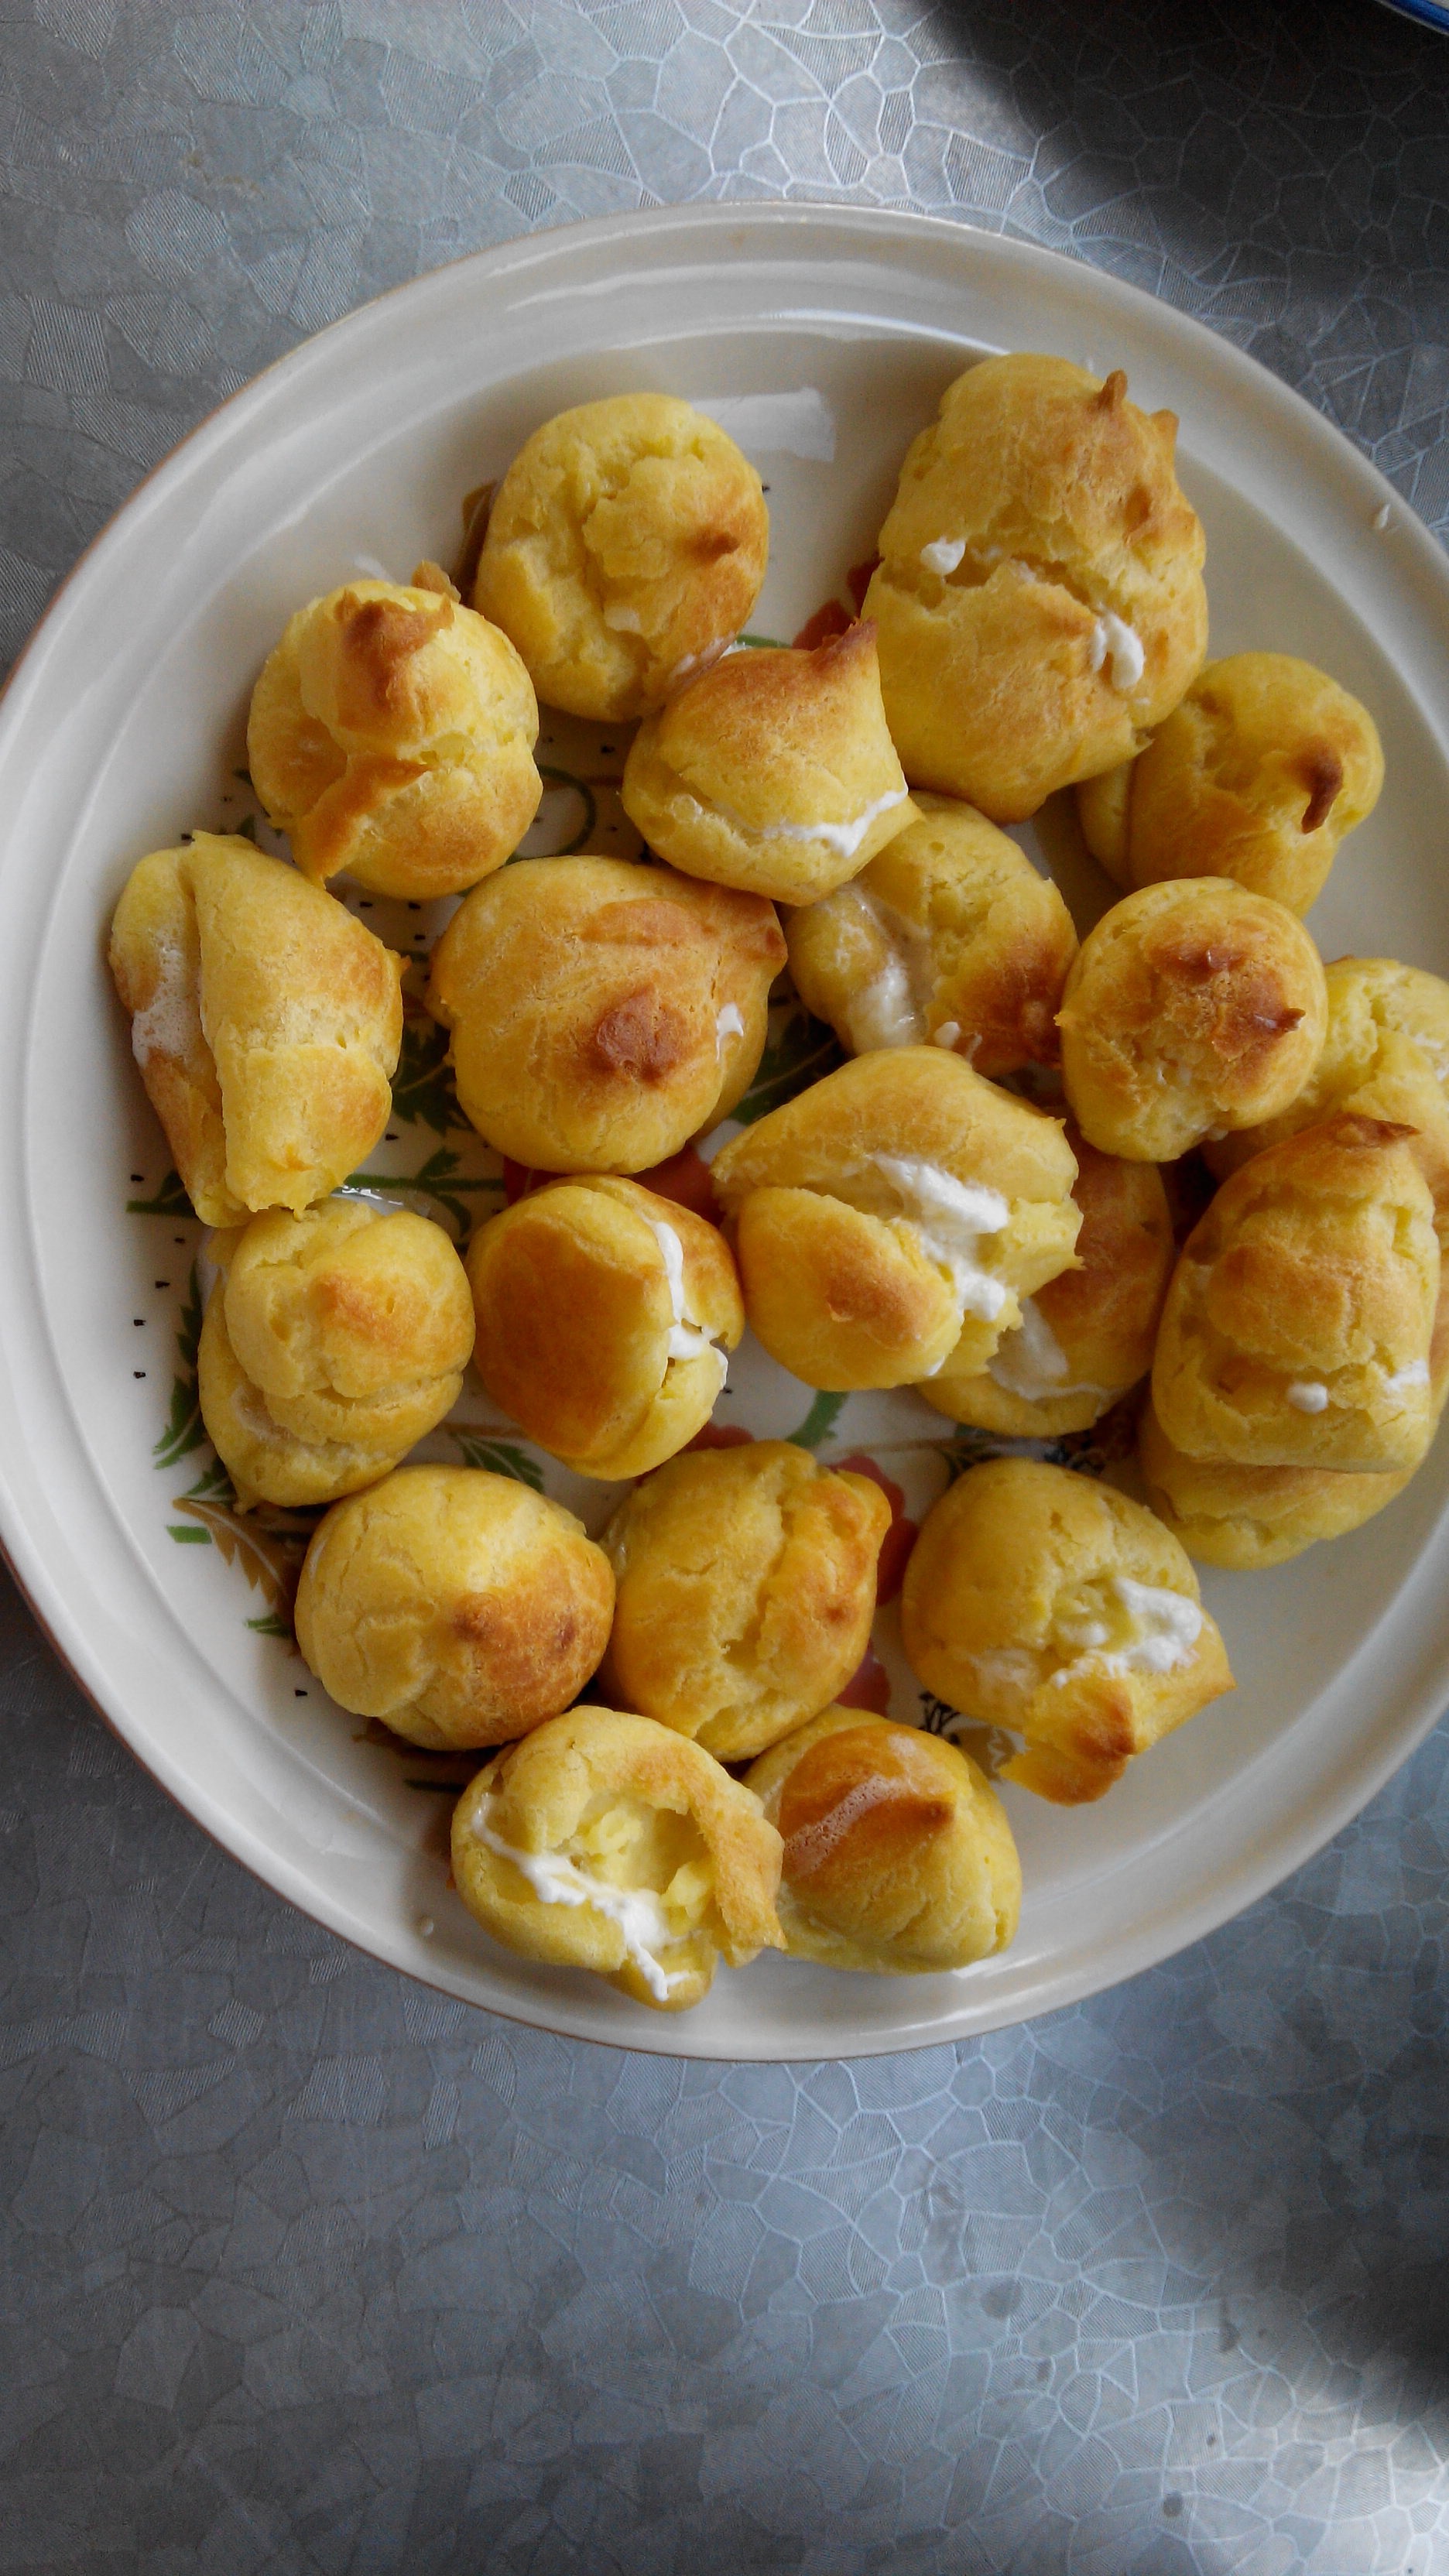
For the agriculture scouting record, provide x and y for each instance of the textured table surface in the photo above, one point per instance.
(302, 2268)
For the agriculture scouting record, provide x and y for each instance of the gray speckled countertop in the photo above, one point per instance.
(303, 2268)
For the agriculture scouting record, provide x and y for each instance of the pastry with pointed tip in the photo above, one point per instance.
(265, 1020)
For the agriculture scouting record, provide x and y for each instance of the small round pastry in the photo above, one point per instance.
(893, 1216)
(1087, 1337)
(1251, 1517)
(265, 1020)
(603, 1013)
(391, 735)
(746, 1589)
(1298, 1327)
(949, 935)
(1039, 595)
(1258, 775)
(626, 546)
(604, 1315)
(603, 1841)
(1041, 1601)
(773, 771)
(898, 1855)
(333, 1342)
(1192, 1007)
(460, 1608)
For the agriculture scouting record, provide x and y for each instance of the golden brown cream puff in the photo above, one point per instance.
(1250, 1517)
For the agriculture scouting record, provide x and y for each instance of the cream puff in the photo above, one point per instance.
(1298, 1327)
(773, 771)
(461, 1608)
(950, 935)
(898, 1856)
(605, 1842)
(746, 1589)
(1192, 1009)
(1251, 1517)
(604, 1318)
(1257, 775)
(893, 1217)
(391, 737)
(1043, 1602)
(333, 1342)
(1039, 596)
(265, 1021)
(626, 546)
(603, 1013)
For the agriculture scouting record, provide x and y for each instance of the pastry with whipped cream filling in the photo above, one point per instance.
(898, 1855)
(949, 936)
(625, 549)
(774, 771)
(333, 1342)
(1298, 1329)
(605, 1316)
(605, 1842)
(1051, 1605)
(603, 1013)
(1039, 596)
(1247, 1518)
(1257, 775)
(266, 1023)
(391, 737)
(746, 1590)
(1192, 1009)
(892, 1218)
(459, 1607)
(1087, 1337)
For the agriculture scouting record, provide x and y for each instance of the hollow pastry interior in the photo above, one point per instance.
(898, 1855)
(1052, 1605)
(1248, 1518)
(892, 1217)
(773, 771)
(265, 1022)
(1039, 597)
(459, 1607)
(605, 1317)
(949, 935)
(625, 547)
(604, 1841)
(1192, 1009)
(391, 735)
(333, 1342)
(601, 1013)
(746, 1589)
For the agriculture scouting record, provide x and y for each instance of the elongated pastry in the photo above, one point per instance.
(459, 1607)
(898, 1856)
(601, 1013)
(625, 548)
(266, 1023)
(605, 1842)
(891, 1219)
(391, 737)
(1041, 1601)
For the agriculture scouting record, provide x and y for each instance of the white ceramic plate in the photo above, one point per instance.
(831, 333)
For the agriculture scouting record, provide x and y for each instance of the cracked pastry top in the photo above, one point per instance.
(1039, 597)
(265, 1021)
(391, 736)
(1192, 1008)
(891, 1219)
(605, 1315)
(603, 1013)
(1044, 1602)
(626, 546)
(773, 771)
(461, 1608)
(606, 1842)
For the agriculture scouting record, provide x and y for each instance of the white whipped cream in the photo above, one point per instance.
(1309, 1395)
(557, 1881)
(1114, 643)
(844, 838)
(1006, 1668)
(891, 1009)
(1399, 1381)
(944, 555)
(687, 1341)
(624, 620)
(951, 1217)
(729, 1023)
(947, 1034)
(171, 1022)
(1030, 1361)
(1168, 1624)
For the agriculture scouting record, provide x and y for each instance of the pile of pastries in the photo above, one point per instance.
(982, 1204)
